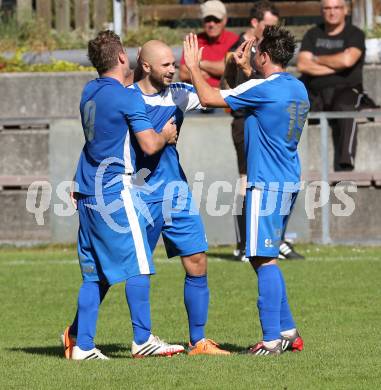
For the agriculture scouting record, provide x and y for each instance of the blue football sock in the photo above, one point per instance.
(103, 288)
(196, 299)
(286, 320)
(88, 305)
(137, 294)
(269, 301)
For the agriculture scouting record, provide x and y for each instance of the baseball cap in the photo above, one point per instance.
(213, 8)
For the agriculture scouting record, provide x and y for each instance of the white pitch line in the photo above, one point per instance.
(162, 260)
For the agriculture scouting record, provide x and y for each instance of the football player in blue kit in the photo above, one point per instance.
(277, 108)
(112, 240)
(169, 199)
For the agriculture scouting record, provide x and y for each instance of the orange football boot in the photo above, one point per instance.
(206, 347)
(68, 343)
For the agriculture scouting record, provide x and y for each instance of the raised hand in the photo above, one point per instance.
(242, 56)
(192, 54)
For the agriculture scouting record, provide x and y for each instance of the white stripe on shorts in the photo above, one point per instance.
(254, 217)
(136, 232)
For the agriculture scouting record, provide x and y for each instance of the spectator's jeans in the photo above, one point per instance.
(344, 131)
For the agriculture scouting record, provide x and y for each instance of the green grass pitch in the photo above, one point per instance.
(335, 296)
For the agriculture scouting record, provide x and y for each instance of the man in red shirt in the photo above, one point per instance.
(216, 42)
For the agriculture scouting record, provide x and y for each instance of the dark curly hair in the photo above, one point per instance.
(261, 7)
(279, 44)
(103, 51)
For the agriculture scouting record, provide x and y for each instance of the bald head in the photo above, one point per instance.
(338, 2)
(154, 51)
(157, 63)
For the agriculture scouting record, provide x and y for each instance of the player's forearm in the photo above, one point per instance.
(153, 144)
(150, 141)
(209, 96)
(230, 73)
(213, 68)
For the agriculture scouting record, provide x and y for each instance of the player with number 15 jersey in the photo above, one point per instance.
(277, 109)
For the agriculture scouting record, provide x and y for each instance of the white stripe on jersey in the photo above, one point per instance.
(254, 217)
(240, 89)
(177, 94)
(128, 168)
(136, 232)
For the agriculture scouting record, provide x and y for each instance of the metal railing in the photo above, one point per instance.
(323, 117)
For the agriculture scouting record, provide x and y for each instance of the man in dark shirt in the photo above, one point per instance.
(331, 59)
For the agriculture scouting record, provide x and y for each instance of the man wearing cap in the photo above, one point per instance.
(216, 42)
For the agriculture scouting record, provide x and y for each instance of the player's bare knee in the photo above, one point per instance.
(195, 264)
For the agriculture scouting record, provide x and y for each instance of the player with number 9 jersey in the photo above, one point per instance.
(105, 105)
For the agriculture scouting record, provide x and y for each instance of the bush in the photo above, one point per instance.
(16, 64)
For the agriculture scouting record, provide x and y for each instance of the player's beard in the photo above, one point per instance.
(161, 82)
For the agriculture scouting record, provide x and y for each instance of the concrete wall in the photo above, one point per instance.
(368, 156)
(46, 95)
(205, 146)
(17, 224)
(42, 95)
(24, 152)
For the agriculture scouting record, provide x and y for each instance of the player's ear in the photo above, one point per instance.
(265, 58)
(122, 57)
(254, 22)
(146, 66)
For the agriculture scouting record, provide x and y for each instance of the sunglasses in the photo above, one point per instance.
(213, 19)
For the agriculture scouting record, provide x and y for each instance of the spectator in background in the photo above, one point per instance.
(331, 59)
(216, 42)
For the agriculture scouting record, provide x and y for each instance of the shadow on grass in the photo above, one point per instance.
(114, 351)
(111, 350)
(233, 348)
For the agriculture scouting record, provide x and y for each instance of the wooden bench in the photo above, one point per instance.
(234, 10)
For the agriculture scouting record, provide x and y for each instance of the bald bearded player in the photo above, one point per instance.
(169, 198)
(166, 194)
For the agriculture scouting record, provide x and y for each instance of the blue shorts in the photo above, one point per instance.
(112, 245)
(267, 213)
(180, 224)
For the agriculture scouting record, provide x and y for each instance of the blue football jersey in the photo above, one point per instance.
(164, 167)
(109, 111)
(277, 109)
